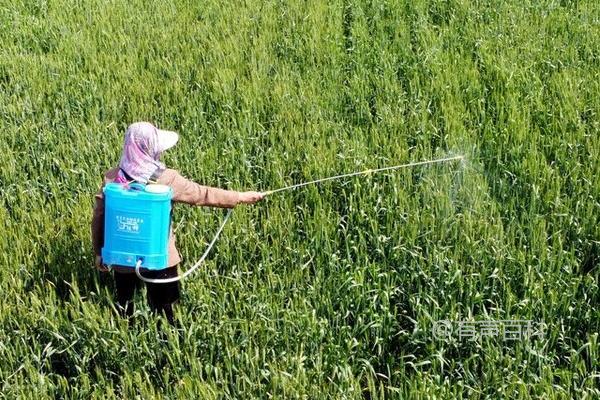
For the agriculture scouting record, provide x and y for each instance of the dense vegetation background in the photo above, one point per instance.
(331, 291)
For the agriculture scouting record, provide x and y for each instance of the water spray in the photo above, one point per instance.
(365, 172)
(138, 265)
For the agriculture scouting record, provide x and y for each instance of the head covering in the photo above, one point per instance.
(141, 150)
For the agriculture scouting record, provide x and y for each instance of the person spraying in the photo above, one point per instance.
(140, 164)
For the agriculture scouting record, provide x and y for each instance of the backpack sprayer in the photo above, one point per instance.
(136, 225)
(137, 222)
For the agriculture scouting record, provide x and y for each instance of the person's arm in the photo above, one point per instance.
(190, 192)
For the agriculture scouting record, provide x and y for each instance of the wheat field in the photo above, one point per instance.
(332, 290)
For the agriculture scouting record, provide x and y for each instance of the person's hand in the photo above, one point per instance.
(251, 197)
(99, 265)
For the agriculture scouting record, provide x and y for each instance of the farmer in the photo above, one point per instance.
(143, 145)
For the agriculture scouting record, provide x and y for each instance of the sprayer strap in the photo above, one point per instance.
(152, 179)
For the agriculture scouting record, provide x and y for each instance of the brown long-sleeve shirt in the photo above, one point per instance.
(184, 191)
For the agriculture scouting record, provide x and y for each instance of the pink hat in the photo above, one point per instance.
(166, 139)
(142, 148)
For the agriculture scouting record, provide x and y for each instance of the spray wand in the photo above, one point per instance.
(285, 188)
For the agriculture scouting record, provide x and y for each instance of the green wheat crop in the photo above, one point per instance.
(330, 291)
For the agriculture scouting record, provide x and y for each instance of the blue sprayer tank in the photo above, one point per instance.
(136, 225)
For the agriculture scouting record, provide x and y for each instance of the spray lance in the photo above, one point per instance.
(137, 220)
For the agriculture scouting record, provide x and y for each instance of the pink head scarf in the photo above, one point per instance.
(141, 151)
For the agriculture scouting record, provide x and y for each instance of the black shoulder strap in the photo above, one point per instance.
(153, 178)
(129, 178)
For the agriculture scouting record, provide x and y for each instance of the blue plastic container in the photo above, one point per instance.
(136, 225)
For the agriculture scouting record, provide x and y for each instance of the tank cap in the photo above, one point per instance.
(157, 188)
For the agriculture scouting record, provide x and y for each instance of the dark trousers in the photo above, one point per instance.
(161, 296)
